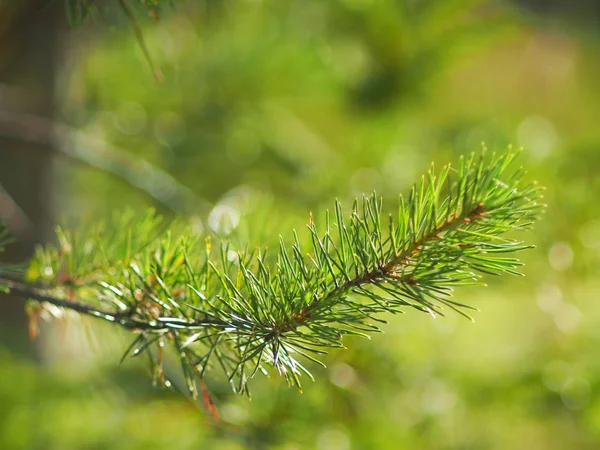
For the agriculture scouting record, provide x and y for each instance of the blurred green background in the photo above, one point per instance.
(270, 109)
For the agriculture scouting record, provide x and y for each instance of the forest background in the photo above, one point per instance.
(268, 110)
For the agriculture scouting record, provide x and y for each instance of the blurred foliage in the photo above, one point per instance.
(275, 107)
(268, 94)
(80, 12)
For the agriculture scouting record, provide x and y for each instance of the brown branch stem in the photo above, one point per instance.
(383, 272)
(140, 38)
(124, 318)
(26, 291)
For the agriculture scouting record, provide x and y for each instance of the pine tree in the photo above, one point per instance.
(249, 311)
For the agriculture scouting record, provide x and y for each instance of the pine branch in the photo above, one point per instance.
(140, 39)
(84, 148)
(79, 11)
(243, 311)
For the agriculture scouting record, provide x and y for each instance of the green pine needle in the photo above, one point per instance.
(248, 313)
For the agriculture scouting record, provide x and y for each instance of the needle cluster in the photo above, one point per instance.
(247, 311)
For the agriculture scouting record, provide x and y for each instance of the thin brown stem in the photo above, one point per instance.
(386, 271)
(125, 318)
(27, 291)
(140, 38)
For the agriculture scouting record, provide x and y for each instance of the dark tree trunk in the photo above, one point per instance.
(28, 59)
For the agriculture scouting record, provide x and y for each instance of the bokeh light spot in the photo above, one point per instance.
(589, 234)
(437, 398)
(537, 135)
(223, 219)
(560, 256)
(575, 393)
(365, 181)
(343, 375)
(169, 128)
(567, 318)
(131, 118)
(333, 439)
(549, 298)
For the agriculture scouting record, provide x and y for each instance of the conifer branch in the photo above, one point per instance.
(85, 148)
(28, 291)
(243, 311)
